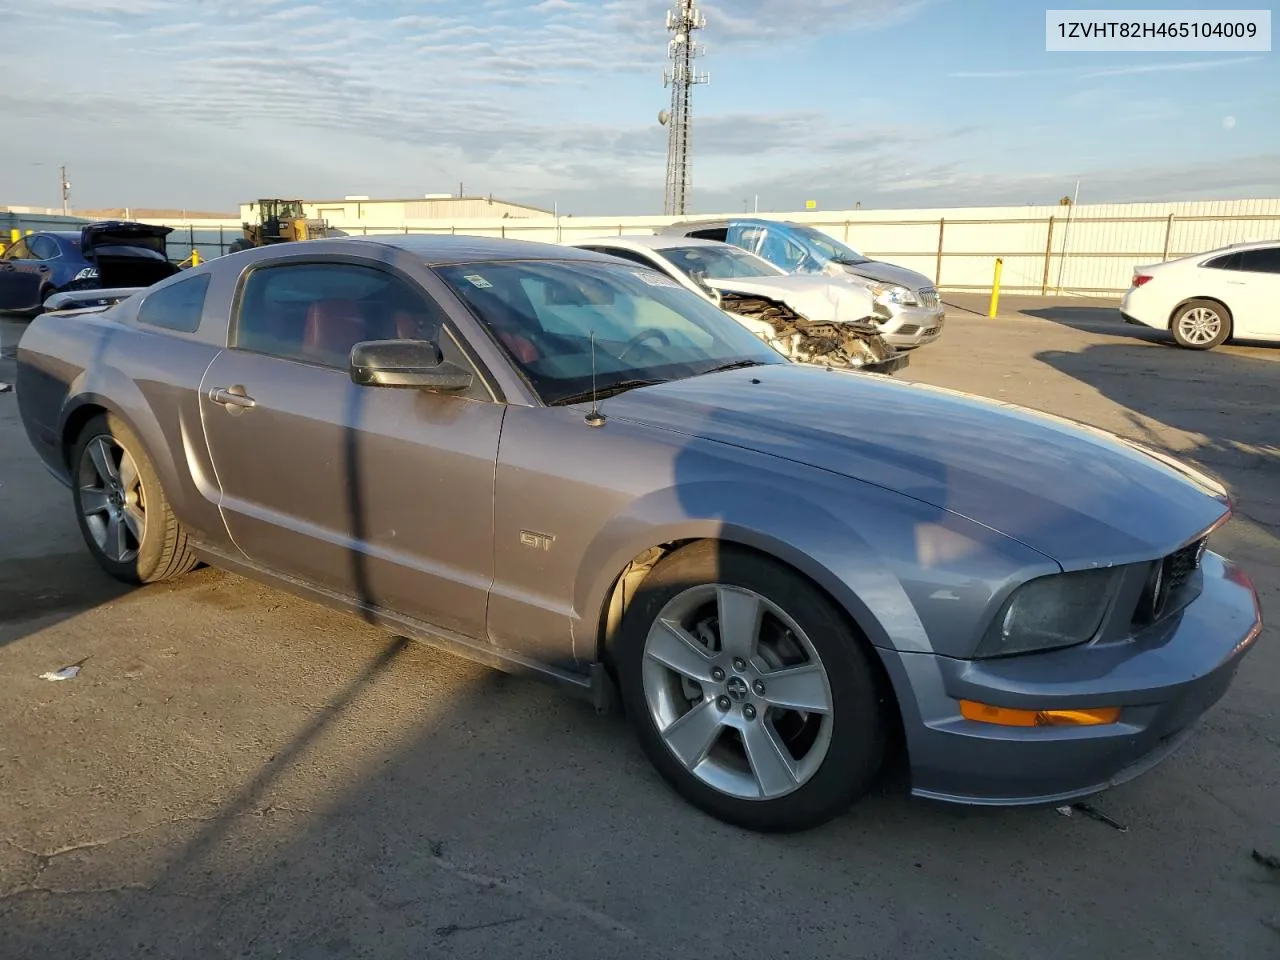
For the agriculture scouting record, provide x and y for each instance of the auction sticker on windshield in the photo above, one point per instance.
(655, 279)
(478, 281)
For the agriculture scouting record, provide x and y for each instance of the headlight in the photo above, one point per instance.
(88, 273)
(894, 293)
(1060, 610)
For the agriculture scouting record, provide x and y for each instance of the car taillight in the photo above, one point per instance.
(1140, 278)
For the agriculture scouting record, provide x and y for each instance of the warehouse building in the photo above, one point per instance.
(376, 212)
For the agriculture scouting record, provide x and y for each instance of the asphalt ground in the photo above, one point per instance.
(238, 773)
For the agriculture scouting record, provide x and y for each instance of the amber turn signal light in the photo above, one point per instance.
(1008, 717)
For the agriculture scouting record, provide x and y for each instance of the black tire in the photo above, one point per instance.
(859, 717)
(1183, 315)
(238, 245)
(164, 552)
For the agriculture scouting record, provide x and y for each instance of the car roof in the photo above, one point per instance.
(439, 250)
(1249, 245)
(658, 242)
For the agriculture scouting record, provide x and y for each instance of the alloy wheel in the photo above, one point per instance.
(109, 489)
(1199, 325)
(737, 692)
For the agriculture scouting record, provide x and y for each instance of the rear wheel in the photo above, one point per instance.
(121, 509)
(748, 690)
(238, 245)
(1201, 325)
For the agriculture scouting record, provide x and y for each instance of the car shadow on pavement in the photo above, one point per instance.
(1223, 404)
(39, 592)
(489, 816)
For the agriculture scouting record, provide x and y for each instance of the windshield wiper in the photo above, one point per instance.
(611, 390)
(736, 365)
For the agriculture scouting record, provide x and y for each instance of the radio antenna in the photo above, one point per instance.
(595, 418)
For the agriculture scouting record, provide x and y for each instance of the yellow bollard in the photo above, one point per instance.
(15, 235)
(195, 257)
(995, 288)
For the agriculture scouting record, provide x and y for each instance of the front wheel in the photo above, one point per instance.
(748, 690)
(1201, 325)
(121, 509)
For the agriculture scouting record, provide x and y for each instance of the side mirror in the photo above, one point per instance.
(406, 363)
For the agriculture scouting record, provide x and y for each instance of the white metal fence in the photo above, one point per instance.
(1087, 250)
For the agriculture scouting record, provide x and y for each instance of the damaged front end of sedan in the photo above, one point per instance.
(846, 343)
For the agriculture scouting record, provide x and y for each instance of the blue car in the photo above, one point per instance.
(108, 254)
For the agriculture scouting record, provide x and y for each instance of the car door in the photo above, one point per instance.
(1255, 294)
(383, 496)
(16, 277)
(40, 268)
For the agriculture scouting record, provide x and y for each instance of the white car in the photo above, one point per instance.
(810, 319)
(1229, 293)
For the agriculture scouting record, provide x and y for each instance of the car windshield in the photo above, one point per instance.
(646, 327)
(718, 262)
(829, 248)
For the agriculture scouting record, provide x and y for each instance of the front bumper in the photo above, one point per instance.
(1163, 680)
(912, 326)
(891, 364)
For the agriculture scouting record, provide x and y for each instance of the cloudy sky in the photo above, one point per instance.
(887, 103)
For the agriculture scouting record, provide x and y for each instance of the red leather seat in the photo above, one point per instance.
(333, 327)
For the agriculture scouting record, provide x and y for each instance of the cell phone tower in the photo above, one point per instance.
(682, 20)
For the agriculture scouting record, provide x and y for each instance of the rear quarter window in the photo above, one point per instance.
(177, 306)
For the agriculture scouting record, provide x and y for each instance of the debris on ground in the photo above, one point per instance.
(1092, 813)
(5, 387)
(66, 673)
(1268, 861)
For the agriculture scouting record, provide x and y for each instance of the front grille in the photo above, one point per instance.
(929, 298)
(1164, 591)
(1181, 564)
(908, 329)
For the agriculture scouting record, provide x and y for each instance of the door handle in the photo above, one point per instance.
(231, 396)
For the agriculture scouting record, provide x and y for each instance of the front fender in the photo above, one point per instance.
(798, 530)
(915, 578)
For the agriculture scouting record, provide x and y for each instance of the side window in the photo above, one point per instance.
(748, 238)
(1266, 260)
(782, 251)
(18, 251)
(631, 255)
(714, 233)
(178, 306)
(316, 312)
(43, 248)
(1229, 261)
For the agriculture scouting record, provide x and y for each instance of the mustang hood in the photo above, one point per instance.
(1074, 493)
(815, 298)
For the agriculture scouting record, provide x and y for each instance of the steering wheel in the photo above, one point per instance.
(648, 333)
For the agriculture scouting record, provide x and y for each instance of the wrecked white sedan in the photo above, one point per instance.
(809, 319)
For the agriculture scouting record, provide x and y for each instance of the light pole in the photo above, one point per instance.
(65, 185)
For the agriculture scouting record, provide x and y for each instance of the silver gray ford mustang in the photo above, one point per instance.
(562, 464)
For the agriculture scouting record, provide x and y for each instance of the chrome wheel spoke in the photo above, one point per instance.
(798, 688)
(771, 764)
(128, 473)
(93, 501)
(694, 734)
(135, 521)
(116, 546)
(103, 462)
(671, 645)
(739, 615)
